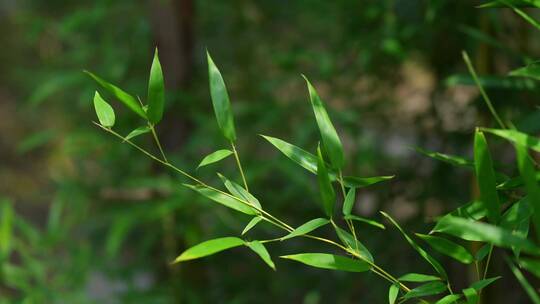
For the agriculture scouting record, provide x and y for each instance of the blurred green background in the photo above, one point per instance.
(96, 221)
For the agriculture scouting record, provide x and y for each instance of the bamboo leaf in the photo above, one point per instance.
(328, 195)
(364, 220)
(329, 261)
(479, 285)
(6, 228)
(156, 91)
(449, 299)
(529, 71)
(359, 182)
(533, 266)
(128, 100)
(449, 248)
(331, 142)
(348, 204)
(104, 111)
(418, 277)
(220, 100)
(223, 199)
(239, 191)
(214, 157)
(254, 221)
(447, 158)
(483, 232)
(528, 173)
(352, 243)
(208, 248)
(306, 228)
(393, 293)
(485, 176)
(471, 295)
(428, 289)
(517, 137)
(137, 132)
(516, 3)
(436, 265)
(531, 292)
(259, 249)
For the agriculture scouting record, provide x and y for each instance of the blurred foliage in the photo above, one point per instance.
(94, 221)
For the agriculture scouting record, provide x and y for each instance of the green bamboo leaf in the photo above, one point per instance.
(104, 111)
(428, 289)
(328, 195)
(348, 204)
(329, 261)
(393, 293)
(436, 265)
(517, 137)
(485, 176)
(208, 248)
(137, 132)
(352, 243)
(6, 228)
(447, 158)
(156, 91)
(529, 71)
(449, 248)
(220, 100)
(254, 221)
(449, 299)
(214, 157)
(359, 182)
(418, 277)
(259, 249)
(222, 199)
(482, 252)
(128, 100)
(483, 232)
(331, 142)
(364, 220)
(517, 219)
(516, 3)
(239, 191)
(515, 182)
(306, 228)
(531, 292)
(533, 266)
(471, 295)
(479, 285)
(528, 172)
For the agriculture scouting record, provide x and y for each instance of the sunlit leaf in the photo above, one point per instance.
(328, 195)
(214, 157)
(137, 132)
(393, 293)
(330, 139)
(128, 100)
(306, 228)
(483, 232)
(348, 203)
(448, 248)
(530, 71)
(223, 199)
(259, 249)
(418, 277)
(239, 191)
(471, 295)
(329, 261)
(364, 220)
(254, 221)
(436, 265)
(516, 218)
(208, 248)
(220, 100)
(104, 111)
(528, 173)
(359, 182)
(485, 176)
(517, 137)
(449, 299)
(479, 285)
(428, 289)
(156, 91)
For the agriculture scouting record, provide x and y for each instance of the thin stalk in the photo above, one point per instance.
(239, 166)
(158, 143)
(349, 222)
(487, 262)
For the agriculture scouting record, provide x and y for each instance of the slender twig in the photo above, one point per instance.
(158, 143)
(239, 166)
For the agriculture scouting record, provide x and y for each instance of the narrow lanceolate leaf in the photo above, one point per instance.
(208, 248)
(254, 221)
(528, 173)
(137, 132)
(449, 299)
(128, 100)
(533, 266)
(531, 292)
(259, 249)
(485, 177)
(418, 277)
(239, 191)
(220, 100)
(156, 91)
(348, 204)
(214, 157)
(506, 3)
(479, 285)
(331, 142)
(427, 289)
(6, 228)
(364, 220)
(529, 71)
(329, 261)
(104, 111)
(434, 263)
(348, 240)
(223, 199)
(449, 248)
(483, 232)
(450, 159)
(482, 252)
(393, 293)
(306, 228)
(517, 137)
(471, 295)
(359, 182)
(328, 195)
(517, 219)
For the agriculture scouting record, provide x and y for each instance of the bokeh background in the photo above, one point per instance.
(96, 221)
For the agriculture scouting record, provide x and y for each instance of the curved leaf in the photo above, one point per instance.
(393, 293)
(254, 221)
(306, 228)
(329, 261)
(104, 111)
(479, 285)
(449, 299)
(485, 176)
(450, 159)
(214, 157)
(208, 248)
(517, 137)
(137, 132)
(427, 289)
(156, 91)
(239, 191)
(348, 240)
(259, 249)
(300, 156)
(449, 248)
(359, 182)
(223, 199)
(471, 295)
(220, 100)
(348, 203)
